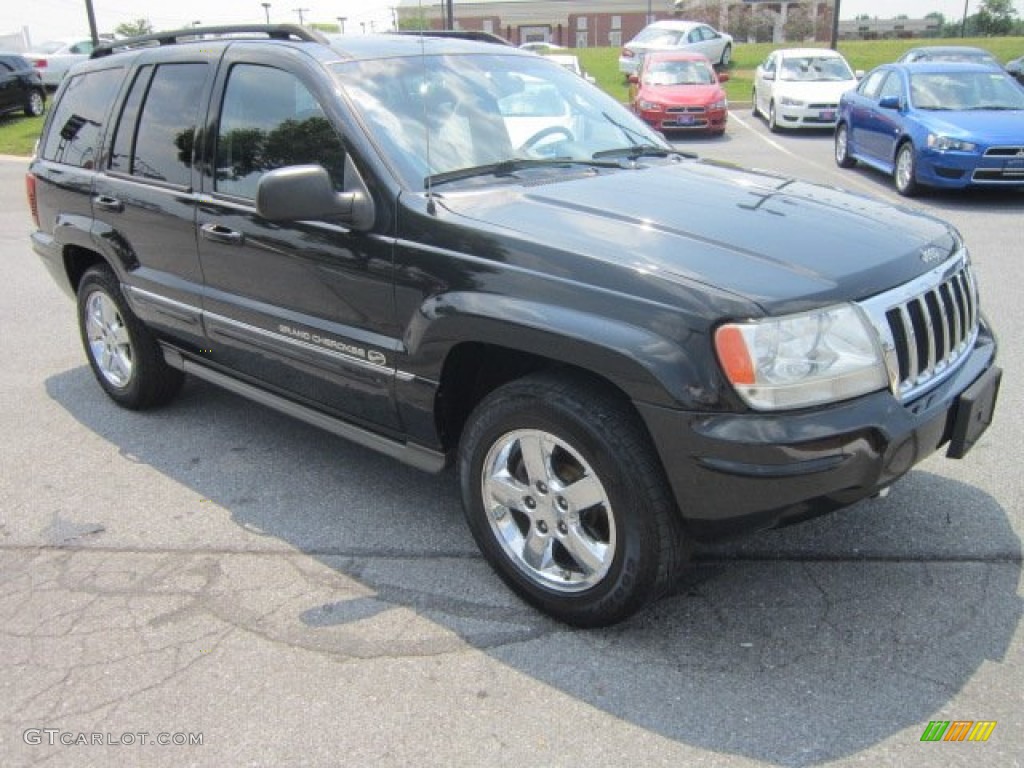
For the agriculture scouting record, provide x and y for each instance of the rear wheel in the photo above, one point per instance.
(905, 171)
(843, 158)
(567, 500)
(36, 103)
(726, 56)
(123, 354)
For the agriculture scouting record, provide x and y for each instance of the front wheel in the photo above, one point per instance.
(773, 122)
(905, 171)
(123, 354)
(726, 56)
(567, 500)
(843, 158)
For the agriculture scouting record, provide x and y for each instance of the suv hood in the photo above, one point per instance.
(786, 245)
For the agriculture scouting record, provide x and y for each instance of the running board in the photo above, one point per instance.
(408, 453)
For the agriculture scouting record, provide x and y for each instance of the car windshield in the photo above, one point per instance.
(656, 36)
(961, 91)
(440, 114)
(51, 47)
(815, 69)
(978, 57)
(678, 73)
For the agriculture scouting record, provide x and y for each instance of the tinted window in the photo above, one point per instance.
(270, 120)
(124, 138)
(163, 144)
(77, 123)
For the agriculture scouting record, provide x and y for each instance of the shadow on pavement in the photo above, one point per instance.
(794, 647)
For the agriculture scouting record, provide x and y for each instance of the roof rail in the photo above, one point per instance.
(192, 34)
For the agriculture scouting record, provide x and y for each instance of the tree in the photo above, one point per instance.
(995, 17)
(799, 25)
(134, 28)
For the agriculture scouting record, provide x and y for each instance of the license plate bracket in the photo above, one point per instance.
(974, 409)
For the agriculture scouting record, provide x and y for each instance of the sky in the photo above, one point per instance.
(48, 19)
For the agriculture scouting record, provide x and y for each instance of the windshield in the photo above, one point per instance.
(439, 114)
(959, 91)
(678, 73)
(51, 47)
(815, 69)
(658, 36)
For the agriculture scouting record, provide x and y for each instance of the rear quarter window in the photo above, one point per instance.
(74, 132)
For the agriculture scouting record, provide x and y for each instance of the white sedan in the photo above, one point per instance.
(800, 87)
(676, 35)
(53, 59)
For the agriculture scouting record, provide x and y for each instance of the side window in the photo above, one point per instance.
(77, 121)
(891, 87)
(872, 83)
(5, 67)
(166, 132)
(269, 120)
(124, 138)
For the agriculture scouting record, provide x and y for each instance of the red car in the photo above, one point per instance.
(676, 91)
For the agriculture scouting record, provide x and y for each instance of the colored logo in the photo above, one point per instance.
(958, 730)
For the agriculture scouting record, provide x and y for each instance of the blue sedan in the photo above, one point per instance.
(940, 124)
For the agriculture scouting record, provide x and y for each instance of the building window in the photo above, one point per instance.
(615, 38)
(616, 22)
(489, 26)
(581, 39)
(581, 23)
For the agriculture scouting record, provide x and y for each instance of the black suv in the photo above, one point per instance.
(21, 86)
(457, 252)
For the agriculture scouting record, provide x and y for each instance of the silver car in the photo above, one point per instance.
(53, 59)
(672, 35)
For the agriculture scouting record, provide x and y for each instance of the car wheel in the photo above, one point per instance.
(905, 171)
(726, 56)
(843, 158)
(36, 103)
(567, 499)
(123, 354)
(753, 102)
(773, 124)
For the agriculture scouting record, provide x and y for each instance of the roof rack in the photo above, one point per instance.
(463, 34)
(193, 34)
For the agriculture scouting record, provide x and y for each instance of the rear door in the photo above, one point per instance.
(303, 308)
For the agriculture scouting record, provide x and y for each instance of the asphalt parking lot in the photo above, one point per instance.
(216, 572)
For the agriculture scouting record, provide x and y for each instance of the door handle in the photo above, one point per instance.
(108, 203)
(218, 233)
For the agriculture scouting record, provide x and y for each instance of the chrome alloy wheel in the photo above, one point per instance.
(109, 342)
(548, 510)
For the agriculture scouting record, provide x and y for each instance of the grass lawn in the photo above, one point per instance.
(18, 134)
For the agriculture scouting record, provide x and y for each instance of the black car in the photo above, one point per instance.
(459, 253)
(1016, 68)
(21, 87)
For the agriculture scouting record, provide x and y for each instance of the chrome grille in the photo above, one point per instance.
(927, 326)
(685, 110)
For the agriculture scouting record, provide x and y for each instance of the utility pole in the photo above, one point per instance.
(963, 22)
(835, 26)
(266, 10)
(92, 23)
(450, 6)
(300, 11)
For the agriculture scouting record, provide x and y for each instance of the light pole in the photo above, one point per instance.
(196, 23)
(266, 10)
(835, 26)
(963, 22)
(300, 11)
(341, 23)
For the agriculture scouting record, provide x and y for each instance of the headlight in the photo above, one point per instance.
(650, 106)
(719, 105)
(801, 360)
(944, 143)
(786, 101)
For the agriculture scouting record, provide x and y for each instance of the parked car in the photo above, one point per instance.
(540, 46)
(21, 87)
(672, 35)
(800, 87)
(620, 348)
(54, 58)
(679, 91)
(948, 53)
(572, 63)
(1016, 68)
(940, 124)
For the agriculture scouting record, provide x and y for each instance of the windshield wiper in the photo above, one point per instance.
(509, 167)
(636, 151)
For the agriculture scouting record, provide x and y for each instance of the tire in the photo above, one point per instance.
(773, 123)
(753, 102)
(904, 170)
(843, 158)
(568, 501)
(122, 353)
(726, 56)
(36, 104)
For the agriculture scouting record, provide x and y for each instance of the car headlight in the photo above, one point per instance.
(719, 104)
(944, 143)
(650, 106)
(801, 360)
(788, 101)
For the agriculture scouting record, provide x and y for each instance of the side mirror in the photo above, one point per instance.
(633, 79)
(859, 74)
(723, 77)
(889, 102)
(305, 192)
(768, 75)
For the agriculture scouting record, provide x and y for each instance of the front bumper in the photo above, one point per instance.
(712, 121)
(807, 115)
(957, 170)
(739, 472)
